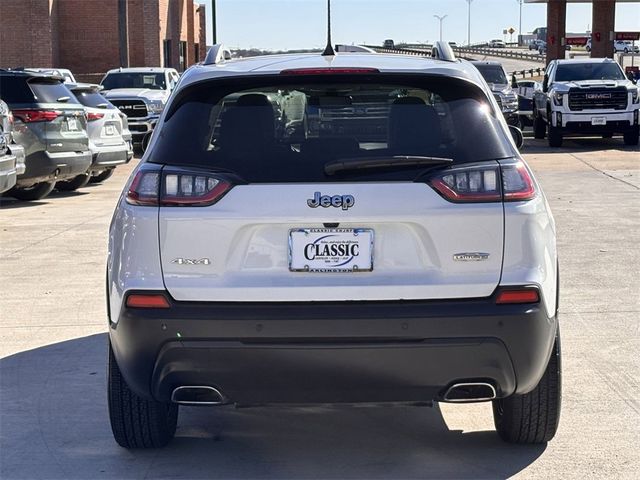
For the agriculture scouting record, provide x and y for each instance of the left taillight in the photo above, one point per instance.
(32, 115)
(172, 187)
(91, 116)
(504, 180)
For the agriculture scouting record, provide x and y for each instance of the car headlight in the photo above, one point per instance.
(635, 96)
(155, 106)
(557, 98)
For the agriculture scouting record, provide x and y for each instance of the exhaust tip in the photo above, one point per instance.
(470, 392)
(198, 395)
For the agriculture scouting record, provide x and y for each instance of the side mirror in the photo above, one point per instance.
(514, 82)
(517, 135)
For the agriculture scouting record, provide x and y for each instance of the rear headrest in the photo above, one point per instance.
(414, 126)
(248, 125)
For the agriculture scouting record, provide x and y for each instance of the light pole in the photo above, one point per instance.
(520, 21)
(440, 18)
(469, 23)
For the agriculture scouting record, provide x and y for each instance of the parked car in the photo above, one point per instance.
(51, 125)
(141, 94)
(586, 96)
(496, 77)
(61, 72)
(388, 43)
(255, 265)
(620, 46)
(8, 161)
(497, 44)
(106, 142)
(535, 44)
(525, 90)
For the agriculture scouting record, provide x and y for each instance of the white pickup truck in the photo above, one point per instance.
(141, 94)
(586, 96)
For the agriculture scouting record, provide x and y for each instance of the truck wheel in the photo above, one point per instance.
(102, 176)
(555, 136)
(534, 416)
(135, 421)
(539, 127)
(34, 192)
(631, 135)
(73, 184)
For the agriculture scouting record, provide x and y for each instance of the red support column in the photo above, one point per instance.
(556, 29)
(602, 35)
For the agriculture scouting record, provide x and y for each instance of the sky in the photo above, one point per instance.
(289, 24)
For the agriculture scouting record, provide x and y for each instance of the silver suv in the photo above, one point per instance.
(141, 94)
(51, 125)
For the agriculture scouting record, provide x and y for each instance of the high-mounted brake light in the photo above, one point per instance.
(507, 181)
(328, 71)
(147, 301)
(94, 116)
(176, 187)
(522, 295)
(31, 115)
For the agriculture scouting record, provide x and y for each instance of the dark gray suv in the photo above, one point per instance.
(51, 125)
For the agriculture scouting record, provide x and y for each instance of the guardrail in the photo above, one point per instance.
(501, 52)
(532, 72)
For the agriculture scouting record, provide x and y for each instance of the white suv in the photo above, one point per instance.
(332, 229)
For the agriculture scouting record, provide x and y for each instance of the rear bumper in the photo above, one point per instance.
(109, 156)
(8, 172)
(42, 166)
(332, 352)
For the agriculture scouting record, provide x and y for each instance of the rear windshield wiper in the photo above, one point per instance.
(395, 161)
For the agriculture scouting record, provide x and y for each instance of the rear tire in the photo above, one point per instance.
(102, 176)
(73, 184)
(539, 127)
(533, 417)
(34, 192)
(555, 136)
(137, 422)
(631, 136)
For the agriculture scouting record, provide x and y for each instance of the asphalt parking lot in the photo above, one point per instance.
(53, 408)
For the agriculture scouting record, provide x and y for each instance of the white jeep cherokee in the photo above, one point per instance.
(332, 229)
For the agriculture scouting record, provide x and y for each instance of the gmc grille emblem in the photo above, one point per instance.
(598, 96)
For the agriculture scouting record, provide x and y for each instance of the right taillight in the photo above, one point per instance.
(505, 180)
(176, 187)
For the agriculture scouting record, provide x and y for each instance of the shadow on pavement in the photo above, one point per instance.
(54, 424)
(589, 144)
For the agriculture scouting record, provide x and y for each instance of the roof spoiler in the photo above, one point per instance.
(443, 51)
(217, 54)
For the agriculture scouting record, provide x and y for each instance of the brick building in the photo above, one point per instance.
(83, 35)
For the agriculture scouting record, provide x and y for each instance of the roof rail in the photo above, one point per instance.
(443, 51)
(217, 54)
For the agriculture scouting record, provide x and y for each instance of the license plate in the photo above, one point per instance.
(331, 250)
(598, 120)
(110, 130)
(72, 124)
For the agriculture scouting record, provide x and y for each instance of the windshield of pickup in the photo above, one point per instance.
(576, 72)
(492, 73)
(286, 128)
(154, 81)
